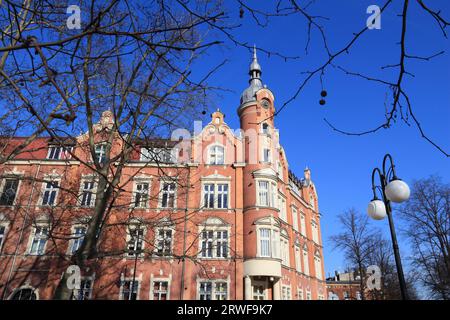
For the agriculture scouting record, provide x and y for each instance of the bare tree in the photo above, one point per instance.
(130, 63)
(354, 241)
(382, 256)
(427, 218)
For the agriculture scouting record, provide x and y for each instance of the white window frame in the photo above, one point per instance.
(215, 193)
(76, 292)
(298, 258)
(63, 150)
(3, 185)
(94, 181)
(294, 213)
(132, 226)
(214, 154)
(129, 279)
(141, 181)
(213, 287)
(315, 231)
(32, 238)
(157, 239)
(302, 224)
(284, 248)
(78, 240)
(272, 191)
(5, 225)
(162, 192)
(266, 155)
(286, 293)
(274, 241)
(318, 266)
(305, 258)
(282, 207)
(103, 146)
(300, 293)
(160, 155)
(215, 240)
(152, 283)
(50, 179)
(267, 130)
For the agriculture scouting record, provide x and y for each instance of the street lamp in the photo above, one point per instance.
(395, 190)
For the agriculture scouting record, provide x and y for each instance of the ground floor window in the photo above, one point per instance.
(130, 290)
(24, 294)
(213, 290)
(160, 290)
(259, 292)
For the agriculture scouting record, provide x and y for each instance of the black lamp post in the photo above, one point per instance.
(395, 190)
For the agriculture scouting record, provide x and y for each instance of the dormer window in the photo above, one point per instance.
(158, 155)
(58, 152)
(216, 155)
(100, 153)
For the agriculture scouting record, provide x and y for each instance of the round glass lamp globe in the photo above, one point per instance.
(376, 210)
(397, 191)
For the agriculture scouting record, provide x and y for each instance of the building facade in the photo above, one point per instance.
(344, 286)
(216, 215)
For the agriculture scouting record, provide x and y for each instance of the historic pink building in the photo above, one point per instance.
(217, 215)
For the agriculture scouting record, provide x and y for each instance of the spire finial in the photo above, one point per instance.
(255, 68)
(254, 52)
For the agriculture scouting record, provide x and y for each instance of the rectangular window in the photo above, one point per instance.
(222, 196)
(266, 155)
(50, 192)
(216, 155)
(315, 231)
(214, 244)
(158, 155)
(264, 238)
(298, 264)
(130, 290)
(285, 251)
(305, 262)
(259, 292)
(100, 153)
(286, 293)
(295, 219)
(318, 268)
(163, 246)
(9, 192)
(141, 195)
(263, 193)
(160, 290)
(282, 203)
(302, 224)
(300, 294)
(168, 195)
(136, 239)
(79, 233)
(2, 234)
(208, 191)
(39, 240)
(220, 291)
(205, 292)
(215, 196)
(87, 194)
(59, 153)
(85, 291)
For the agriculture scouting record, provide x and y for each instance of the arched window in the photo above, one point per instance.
(216, 154)
(24, 294)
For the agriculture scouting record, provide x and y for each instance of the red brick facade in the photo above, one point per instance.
(247, 227)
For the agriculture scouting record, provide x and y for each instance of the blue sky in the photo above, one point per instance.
(342, 165)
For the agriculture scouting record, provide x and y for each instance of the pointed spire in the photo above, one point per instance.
(255, 68)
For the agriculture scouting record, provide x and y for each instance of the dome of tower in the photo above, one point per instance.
(256, 84)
